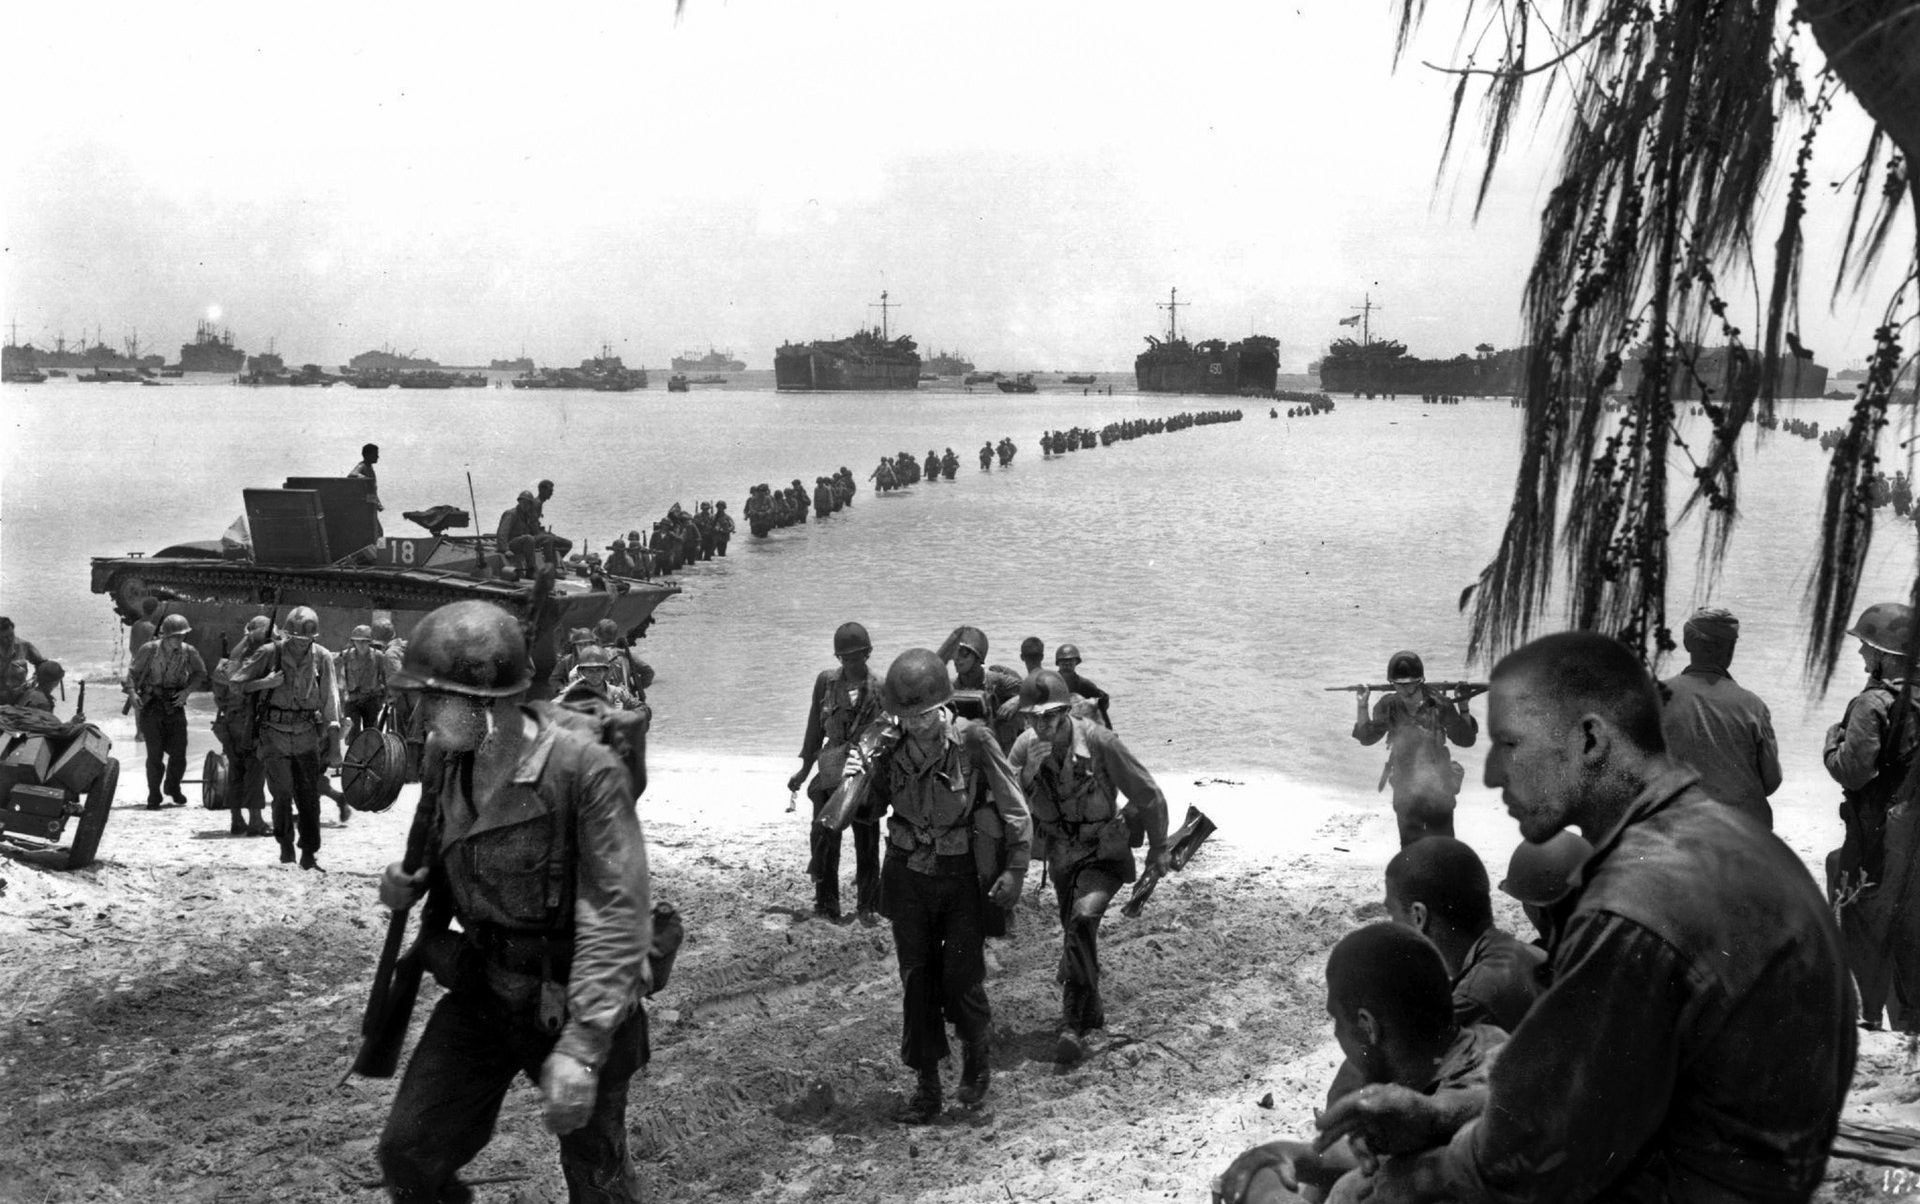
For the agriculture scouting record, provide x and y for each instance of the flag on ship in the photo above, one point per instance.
(1353, 321)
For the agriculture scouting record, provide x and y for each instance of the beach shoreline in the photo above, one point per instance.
(188, 981)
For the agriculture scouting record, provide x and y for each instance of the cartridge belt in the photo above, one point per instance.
(292, 715)
(526, 953)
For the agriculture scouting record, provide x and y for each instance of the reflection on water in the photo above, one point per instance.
(1215, 578)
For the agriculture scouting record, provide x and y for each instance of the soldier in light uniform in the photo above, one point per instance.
(164, 672)
(300, 729)
(1073, 772)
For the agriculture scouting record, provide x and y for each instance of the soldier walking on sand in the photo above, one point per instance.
(233, 727)
(843, 704)
(1074, 772)
(555, 933)
(932, 887)
(164, 672)
(299, 731)
(1417, 721)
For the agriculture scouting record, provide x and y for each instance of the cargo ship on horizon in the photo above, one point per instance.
(1381, 367)
(712, 361)
(949, 363)
(1174, 365)
(212, 350)
(869, 360)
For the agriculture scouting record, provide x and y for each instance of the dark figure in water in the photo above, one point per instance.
(722, 529)
(882, 477)
(986, 457)
(1006, 450)
(822, 498)
(949, 465)
(932, 469)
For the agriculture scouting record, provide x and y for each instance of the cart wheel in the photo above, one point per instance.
(373, 771)
(213, 781)
(93, 820)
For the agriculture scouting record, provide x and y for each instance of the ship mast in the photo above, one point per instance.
(1172, 306)
(883, 307)
(1366, 308)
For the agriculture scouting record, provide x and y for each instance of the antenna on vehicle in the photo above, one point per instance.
(477, 557)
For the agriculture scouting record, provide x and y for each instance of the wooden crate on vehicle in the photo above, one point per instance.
(39, 812)
(78, 766)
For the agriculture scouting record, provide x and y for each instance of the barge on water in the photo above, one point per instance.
(869, 360)
(317, 542)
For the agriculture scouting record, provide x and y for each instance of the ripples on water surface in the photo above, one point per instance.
(1215, 578)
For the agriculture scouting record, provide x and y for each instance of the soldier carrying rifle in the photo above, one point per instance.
(1417, 719)
(528, 834)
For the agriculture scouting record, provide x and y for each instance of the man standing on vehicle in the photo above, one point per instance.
(555, 925)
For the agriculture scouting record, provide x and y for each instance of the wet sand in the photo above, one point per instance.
(180, 1014)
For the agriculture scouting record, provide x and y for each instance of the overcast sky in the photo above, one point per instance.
(1027, 180)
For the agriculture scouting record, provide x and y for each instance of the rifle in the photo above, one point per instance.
(1181, 847)
(876, 742)
(396, 980)
(1464, 689)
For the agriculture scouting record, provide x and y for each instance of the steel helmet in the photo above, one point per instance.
(916, 682)
(175, 625)
(850, 638)
(473, 648)
(1032, 647)
(579, 636)
(606, 631)
(362, 634)
(382, 630)
(46, 673)
(1539, 873)
(301, 621)
(1886, 626)
(1044, 691)
(1067, 654)
(1406, 666)
(973, 640)
(593, 657)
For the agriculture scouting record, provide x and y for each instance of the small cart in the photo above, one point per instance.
(51, 771)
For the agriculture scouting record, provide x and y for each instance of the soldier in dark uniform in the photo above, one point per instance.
(164, 672)
(1074, 772)
(722, 528)
(932, 468)
(233, 726)
(1066, 661)
(949, 465)
(1417, 721)
(842, 705)
(939, 837)
(822, 498)
(986, 456)
(555, 933)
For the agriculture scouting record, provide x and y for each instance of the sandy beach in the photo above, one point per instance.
(180, 1014)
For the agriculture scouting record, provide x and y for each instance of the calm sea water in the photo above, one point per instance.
(1215, 578)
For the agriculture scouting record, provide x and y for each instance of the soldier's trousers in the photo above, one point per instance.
(293, 770)
(165, 731)
(940, 940)
(824, 863)
(449, 1100)
(246, 776)
(361, 714)
(1083, 893)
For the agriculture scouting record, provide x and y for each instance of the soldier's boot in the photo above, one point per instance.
(237, 822)
(923, 1107)
(1068, 1048)
(826, 899)
(976, 1070)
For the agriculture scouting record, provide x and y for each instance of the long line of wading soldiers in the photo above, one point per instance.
(1059, 443)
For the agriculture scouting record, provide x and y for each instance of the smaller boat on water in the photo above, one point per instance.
(25, 376)
(1022, 383)
(981, 378)
(711, 378)
(1085, 378)
(677, 383)
(103, 376)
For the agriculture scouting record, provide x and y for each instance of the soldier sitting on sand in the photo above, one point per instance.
(1393, 1017)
